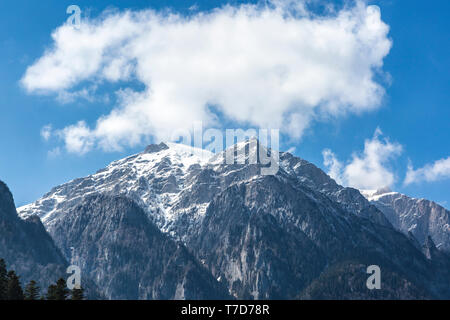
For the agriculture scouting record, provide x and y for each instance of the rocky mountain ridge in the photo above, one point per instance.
(421, 217)
(259, 236)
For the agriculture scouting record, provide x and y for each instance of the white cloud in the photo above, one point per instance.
(275, 65)
(46, 132)
(291, 149)
(54, 153)
(87, 94)
(368, 170)
(438, 170)
(78, 138)
(194, 7)
(333, 164)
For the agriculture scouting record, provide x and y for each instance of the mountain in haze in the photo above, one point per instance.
(295, 234)
(26, 246)
(421, 217)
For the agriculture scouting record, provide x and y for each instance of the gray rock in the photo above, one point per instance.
(153, 148)
(421, 217)
(129, 258)
(268, 239)
(26, 247)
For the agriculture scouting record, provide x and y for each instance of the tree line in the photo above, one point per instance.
(11, 289)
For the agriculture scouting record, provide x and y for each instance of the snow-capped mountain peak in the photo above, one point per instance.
(152, 178)
(177, 182)
(255, 232)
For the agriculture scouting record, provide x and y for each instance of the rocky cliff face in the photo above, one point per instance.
(293, 234)
(26, 246)
(420, 217)
(311, 176)
(153, 179)
(270, 239)
(116, 244)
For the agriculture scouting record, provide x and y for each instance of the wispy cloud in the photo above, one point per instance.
(368, 170)
(438, 170)
(270, 65)
(46, 132)
(54, 153)
(291, 149)
(77, 138)
(334, 165)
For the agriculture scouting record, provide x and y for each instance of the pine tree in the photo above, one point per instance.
(58, 291)
(78, 294)
(32, 291)
(51, 292)
(14, 290)
(3, 280)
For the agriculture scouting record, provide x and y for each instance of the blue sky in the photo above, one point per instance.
(412, 113)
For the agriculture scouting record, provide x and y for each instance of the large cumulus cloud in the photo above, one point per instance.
(267, 65)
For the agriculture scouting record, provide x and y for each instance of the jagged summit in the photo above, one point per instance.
(178, 150)
(248, 151)
(243, 152)
(156, 148)
(152, 178)
(170, 180)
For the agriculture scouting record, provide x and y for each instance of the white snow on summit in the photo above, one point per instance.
(373, 195)
(152, 179)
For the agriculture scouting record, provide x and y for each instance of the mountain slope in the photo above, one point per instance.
(152, 179)
(117, 245)
(421, 217)
(311, 176)
(26, 246)
(269, 239)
